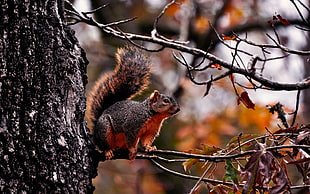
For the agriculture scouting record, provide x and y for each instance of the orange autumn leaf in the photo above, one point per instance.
(174, 8)
(233, 37)
(201, 24)
(235, 13)
(204, 150)
(189, 163)
(245, 99)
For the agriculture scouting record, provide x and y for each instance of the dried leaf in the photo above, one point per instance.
(206, 150)
(286, 130)
(209, 84)
(262, 169)
(272, 21)
(279, 110)
(240, 138)
(299, 161)
(282, 20)
(278, 18)
(234, 142)
(245, 99)
(209, 150)
(189, 163)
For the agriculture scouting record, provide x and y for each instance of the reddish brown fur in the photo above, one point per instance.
(151, 128)
(107, 106)
(132, 70)
(116, 140)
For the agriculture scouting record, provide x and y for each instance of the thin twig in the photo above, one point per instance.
(189, 176)
(155, 33)
(161, 14)
(296, 108)
(97, 9)
(200, 179)
(189, 70)
(140, 46)
(299, 12)
(268, 84)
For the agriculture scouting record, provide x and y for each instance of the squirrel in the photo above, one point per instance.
(115, 121)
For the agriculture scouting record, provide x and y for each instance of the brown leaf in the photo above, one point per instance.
(299, 161)
(189, 163)
(282, 20)
(286, 130)
(262, 169)
(278, 18)
(245, 99)
(206, 150)
(209, 84)
(272, 21)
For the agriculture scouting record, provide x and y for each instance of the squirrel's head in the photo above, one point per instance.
(161, 103)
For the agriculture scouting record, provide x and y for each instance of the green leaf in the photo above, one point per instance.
(231, 172)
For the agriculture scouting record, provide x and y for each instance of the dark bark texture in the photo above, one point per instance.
(44, 144)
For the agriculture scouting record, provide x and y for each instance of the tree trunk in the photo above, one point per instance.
(44, 144)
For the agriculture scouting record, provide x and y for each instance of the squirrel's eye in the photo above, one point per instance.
(166, 100)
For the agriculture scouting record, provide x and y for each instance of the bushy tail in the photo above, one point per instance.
(130, 77)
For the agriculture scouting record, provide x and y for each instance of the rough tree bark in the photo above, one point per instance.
(44, 145)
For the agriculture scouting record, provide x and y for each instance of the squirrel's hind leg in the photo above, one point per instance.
(104, 136)
(132, 148)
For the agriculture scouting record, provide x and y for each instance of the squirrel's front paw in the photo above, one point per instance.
(150, 148)
(109, 155)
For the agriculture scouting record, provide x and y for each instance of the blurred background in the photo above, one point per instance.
(212, 119)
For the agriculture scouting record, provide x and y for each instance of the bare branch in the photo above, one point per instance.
(268, 84)
(277, 45)
(300, 14)
(154, 32)
(95, 10)
(296, 107)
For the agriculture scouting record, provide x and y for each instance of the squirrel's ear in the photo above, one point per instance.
(154, 96)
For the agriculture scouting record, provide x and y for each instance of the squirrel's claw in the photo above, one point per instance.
(150, 148)
(109, 154)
